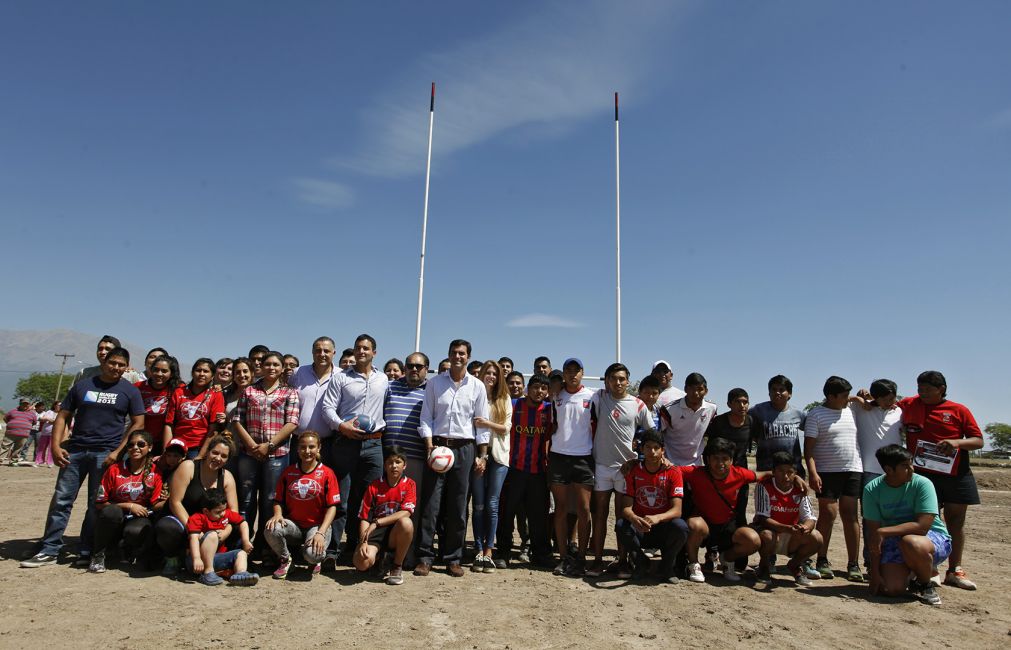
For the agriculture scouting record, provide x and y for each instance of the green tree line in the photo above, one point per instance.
(41, 386)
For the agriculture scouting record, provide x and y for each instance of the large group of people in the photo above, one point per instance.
(258, 462)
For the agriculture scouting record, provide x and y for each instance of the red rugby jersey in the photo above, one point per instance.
(788, 508)
(305, 496)
(945, 421)
(382, 499)
(120, 485)
(192, 416)
(653, 492)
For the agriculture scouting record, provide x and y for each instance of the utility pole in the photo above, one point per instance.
(59, 383)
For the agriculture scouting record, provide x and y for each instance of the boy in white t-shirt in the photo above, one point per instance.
(834, 469)
(879, 424)
(570, 465)
(684, 422)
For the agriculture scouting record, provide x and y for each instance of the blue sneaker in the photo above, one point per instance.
(210, 579)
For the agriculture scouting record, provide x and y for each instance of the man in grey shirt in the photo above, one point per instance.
(105, 344)
(782, 426)
(615, 415)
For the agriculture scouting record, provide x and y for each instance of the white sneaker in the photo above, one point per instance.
(695, 572)
(956, 578)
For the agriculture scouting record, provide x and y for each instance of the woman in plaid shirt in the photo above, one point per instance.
(265, 418)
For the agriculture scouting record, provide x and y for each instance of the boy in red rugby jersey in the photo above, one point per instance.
(784, 520)
(385, 516)
(208, 531)
(651, 510)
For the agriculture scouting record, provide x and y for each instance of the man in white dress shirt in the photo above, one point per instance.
(452, 400)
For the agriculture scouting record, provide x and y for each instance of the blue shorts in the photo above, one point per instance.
(891, 553)
(222, 561)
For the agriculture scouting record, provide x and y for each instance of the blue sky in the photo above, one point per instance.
(807, 188)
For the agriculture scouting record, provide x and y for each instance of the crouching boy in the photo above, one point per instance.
(385, 516)
(905, 536)
(208, 531)
(651, 510)
(784, 520)
(715, 488)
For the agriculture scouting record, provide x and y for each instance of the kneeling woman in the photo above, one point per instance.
(129, 491)
(305, 504)
(190, 482)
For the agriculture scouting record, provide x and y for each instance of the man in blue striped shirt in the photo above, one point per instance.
(402, 412)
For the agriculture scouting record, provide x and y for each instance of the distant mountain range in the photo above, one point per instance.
(25, 351)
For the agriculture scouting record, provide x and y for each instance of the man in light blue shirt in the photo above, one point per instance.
(356, 455)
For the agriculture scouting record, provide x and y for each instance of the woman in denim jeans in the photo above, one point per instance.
(263, 421)
(487, 487)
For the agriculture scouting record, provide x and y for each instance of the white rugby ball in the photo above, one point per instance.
(441, 459)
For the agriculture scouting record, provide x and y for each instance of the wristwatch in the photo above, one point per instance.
(271, 446)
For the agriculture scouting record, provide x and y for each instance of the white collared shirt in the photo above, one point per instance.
(683, 430)
(449, 408)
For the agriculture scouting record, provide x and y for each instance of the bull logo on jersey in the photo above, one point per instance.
(616, 414)
(131, 491)
(586, 403)
(946, 418)
(156, 405)
(305, 488)
(193, 410)
(650, 496)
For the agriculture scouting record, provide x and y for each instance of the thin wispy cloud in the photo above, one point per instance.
(320, 193)
(560, 65)
(542, 320)
(1001, 120)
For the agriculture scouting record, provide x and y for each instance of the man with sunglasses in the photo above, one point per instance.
(402, 412)
(98, 406)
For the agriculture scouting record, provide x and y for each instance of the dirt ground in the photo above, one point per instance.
(516, 608)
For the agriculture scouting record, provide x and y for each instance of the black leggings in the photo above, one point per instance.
(111, 524)
(171, 536)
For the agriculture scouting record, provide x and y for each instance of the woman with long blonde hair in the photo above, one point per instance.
(487, 487)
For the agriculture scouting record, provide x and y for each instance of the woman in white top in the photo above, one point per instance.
(487, 487)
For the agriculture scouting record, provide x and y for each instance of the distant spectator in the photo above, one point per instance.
(19, 427)
(43, 451)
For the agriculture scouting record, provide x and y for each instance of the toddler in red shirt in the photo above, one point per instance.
(207, 533)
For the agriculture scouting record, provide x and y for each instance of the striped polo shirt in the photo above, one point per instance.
(402, 412)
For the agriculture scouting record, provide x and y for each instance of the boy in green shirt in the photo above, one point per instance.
(905, 535)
